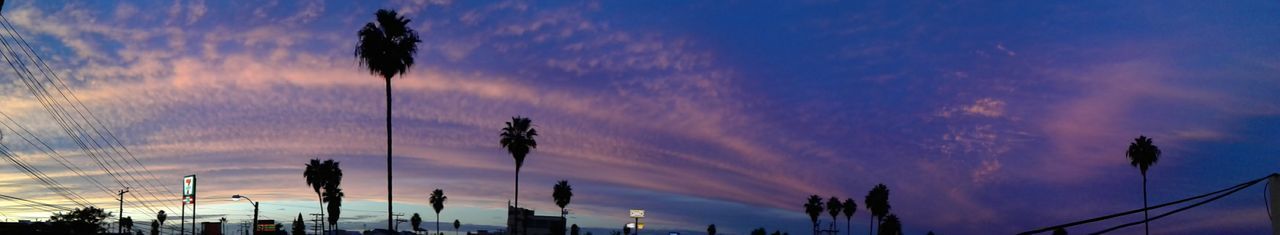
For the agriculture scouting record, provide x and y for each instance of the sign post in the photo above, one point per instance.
(637, 214)
(189, 196)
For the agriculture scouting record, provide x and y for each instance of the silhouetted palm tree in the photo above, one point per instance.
(562, 193)
(518, 139)
(813, 207)
(161, 216)
(316, 177)
(1142, 154)
(456, 225)
(711, 229)
(437, 203)
(850, 207)
(877, 201)
(416, 221)
(833, 208)
(386, 48)
(891, 226)
(155, 227)
(334, 197)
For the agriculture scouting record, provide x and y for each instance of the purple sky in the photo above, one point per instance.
(981, 117)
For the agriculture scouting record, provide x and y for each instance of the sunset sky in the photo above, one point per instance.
(981, 117)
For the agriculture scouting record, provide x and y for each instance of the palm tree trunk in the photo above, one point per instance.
(390, 218)
(322, 221)
(437, 222)
(519, 213)
(848, 225)
(871, 224)
(1146, 224)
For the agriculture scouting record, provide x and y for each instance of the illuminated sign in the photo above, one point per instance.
(266, 226)
(637, 214)
(189, 189)
(633, 225)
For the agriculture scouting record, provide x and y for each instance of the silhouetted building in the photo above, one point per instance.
(522, 221)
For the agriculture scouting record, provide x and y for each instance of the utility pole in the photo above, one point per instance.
(120, 228)
(315, 223)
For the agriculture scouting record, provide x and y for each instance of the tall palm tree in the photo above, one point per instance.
(161, 216)
(711, 229)
(416, 221)
(850, 207)
(331, 171)
(518, 139)
(386, 48)
(877, 201)
(315, 175)
(562, 193)
(833, 208)
(437, 203)
(1142, 154)
(813, 207)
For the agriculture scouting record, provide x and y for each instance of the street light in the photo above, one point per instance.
(237, 197)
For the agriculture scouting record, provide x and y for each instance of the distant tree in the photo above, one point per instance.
(573, 230)
(891, 226)
(456, 225)
(626, 230)
(299, 226)
(1059, 231)
(877, 201)
(518, 139)
(87, 220)
(759, 231)
(615, 232)
(155, 227)
(930, 233)
(711, 229)
(161, 216)
(280, 229)
(437, 202)
(1143, 154)
(386, 48)
(127, 224)
(813, 207)
(777, 232)
(850, 207)
(416, 221)
(834, 208)
(562, 193)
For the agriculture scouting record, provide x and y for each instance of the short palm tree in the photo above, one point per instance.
(877, 201)
(562, 193)
(850, 207)
(456, 225)
(315, 177)
(416, 221)
(155, 227)
(891, 226)
(833, 208)
(160, 217)
(333, 195)
(518, 139)
(711, 229)
(386, 48)
(1143, 154)
(437, 203)
(813, 207)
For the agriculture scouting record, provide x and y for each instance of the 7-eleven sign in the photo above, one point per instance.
(189, 189)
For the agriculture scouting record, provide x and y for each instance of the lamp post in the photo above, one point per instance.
(254, 227)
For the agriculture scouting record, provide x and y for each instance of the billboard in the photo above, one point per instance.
(189, 189)
(637, 213)
(266, 226)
